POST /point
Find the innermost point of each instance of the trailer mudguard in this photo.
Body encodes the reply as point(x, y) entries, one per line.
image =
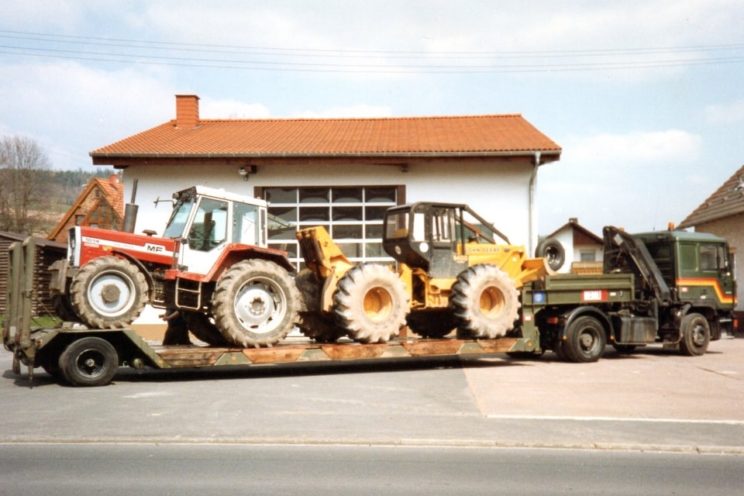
point(573, 314)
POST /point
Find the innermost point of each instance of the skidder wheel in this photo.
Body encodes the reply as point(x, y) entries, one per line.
point(108, 293)
point(203, 328)
point(89, 361)
point(370, 303)
point(485, 302)
point(431, 323)
point(695, 334)
point(255, 303)
point(312, 322)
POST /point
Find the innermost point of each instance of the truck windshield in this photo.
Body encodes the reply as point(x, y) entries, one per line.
point(178, 218)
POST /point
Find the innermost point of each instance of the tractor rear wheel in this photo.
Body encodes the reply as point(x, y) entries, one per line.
point(200, 326)
point(485, 302)
point(255, 303)
point(370, 303)
point(108, 293)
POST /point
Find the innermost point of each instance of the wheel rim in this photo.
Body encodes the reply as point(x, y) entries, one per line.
point(492, 302)
point(698, 335)
point(260, 305)
point(588, 341)
point(90, 363)
point(378, 304)
point(111, 293)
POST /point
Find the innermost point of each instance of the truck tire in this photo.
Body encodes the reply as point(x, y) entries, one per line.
point(695, 334)
point(485, 302)
point(312, 322)
point(585, 340)
point(552, 250)
point(255, 303)
point(370, 303)
point(89, 361)
point(431, 324)
point(108, 293)
point(200, 326)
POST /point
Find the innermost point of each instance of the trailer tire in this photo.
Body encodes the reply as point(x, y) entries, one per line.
point(485, 302)
point(312, 322)
point(431, 324)
point(203, 329)
point(255, 303)
point(89, 361)
point(695, 334)
point(108, 293)
point(585, 340)
point(370, 303)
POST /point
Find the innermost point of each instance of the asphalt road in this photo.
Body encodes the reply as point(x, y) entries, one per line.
point(183, 470)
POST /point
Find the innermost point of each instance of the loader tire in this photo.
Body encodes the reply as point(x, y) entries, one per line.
point(431, 324)
point(485, 302)
point(255, 303)
point(203, 329)
point(370, 303)
point(695, 334)
point(312, 323)
point(108, 293)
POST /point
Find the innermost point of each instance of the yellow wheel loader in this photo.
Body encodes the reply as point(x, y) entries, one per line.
point(455, 270)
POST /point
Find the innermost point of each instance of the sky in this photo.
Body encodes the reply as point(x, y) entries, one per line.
point(646, 98)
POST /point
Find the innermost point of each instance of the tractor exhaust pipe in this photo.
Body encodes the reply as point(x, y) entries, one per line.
point(130, 210)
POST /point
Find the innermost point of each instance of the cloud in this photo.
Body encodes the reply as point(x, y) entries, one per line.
point(729, 113)
point(636, 148)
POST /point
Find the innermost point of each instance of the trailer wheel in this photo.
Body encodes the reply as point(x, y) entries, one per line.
point(89, 361)
point(108, 293)
point(695, 334)
point(370, 303)
point(312, 322)
point(203, 328)
point(255, 303)
point(485, 302)
point(431, 324)
point(585, 340)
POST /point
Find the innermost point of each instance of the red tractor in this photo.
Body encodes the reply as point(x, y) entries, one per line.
point(211, 268)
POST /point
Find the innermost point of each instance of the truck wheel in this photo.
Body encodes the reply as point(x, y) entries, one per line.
point(108, 293)
point(203, 328)
point(89, 361)
point(431, 324)
point(255, 303)
point(585, 340)
point(370, 303)
point(312, 322)
point(485, 302)
point(695, 334)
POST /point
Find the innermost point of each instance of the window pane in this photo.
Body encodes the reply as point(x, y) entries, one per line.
point(374, 230)
point(277, 232)
point(375, 213)
point(351, 250)
point(708, 259)
point(347, 214)
point(375, 250)
point(381, 195)
point(245, 224)
point(209, 228)
point(347, 231)
point(288, 214)
point(347, 195)
point(280, 195)
point(314, 195)
point(314, 214)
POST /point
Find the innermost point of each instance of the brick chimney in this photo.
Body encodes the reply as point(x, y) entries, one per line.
point(187, 111)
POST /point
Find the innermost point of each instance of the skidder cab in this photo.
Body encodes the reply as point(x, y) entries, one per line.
point(211, 265)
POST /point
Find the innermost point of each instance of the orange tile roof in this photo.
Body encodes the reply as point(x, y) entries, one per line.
point(725, 201)
point(113, 194)
point(425, 136)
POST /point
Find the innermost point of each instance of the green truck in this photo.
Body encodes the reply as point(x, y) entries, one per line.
point(675, 288)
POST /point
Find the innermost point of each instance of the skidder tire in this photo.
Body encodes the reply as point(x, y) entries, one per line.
point(89, 361)
point(695, 334)
point(585, 340)
point(485, 302)
point(312, 322)
point(108, 293)
point(255, 303)
point(370, 303)
point(200, 326)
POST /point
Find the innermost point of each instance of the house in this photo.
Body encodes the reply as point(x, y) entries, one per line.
point(573, 248)
point(99, 204)
point(722, 214)
point(340, 173)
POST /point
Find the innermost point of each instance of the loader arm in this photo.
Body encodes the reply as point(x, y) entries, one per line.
point(323, 256)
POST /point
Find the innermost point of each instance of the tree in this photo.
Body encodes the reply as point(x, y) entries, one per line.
point(22, 161)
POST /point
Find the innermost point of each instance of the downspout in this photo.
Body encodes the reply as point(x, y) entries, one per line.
point(531, 221)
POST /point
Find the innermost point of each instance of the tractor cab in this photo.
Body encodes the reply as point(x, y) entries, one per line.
point(441, 238)
point(205, 220)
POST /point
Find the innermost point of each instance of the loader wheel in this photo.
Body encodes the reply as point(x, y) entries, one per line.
point(431, 324)
point(89, 361)
point(108, 293)
point(203, 328)
point(585, 340)
point(695, 334)
point(485, 302)
point(255, 303)
point(370, 303)
point(312, 322)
